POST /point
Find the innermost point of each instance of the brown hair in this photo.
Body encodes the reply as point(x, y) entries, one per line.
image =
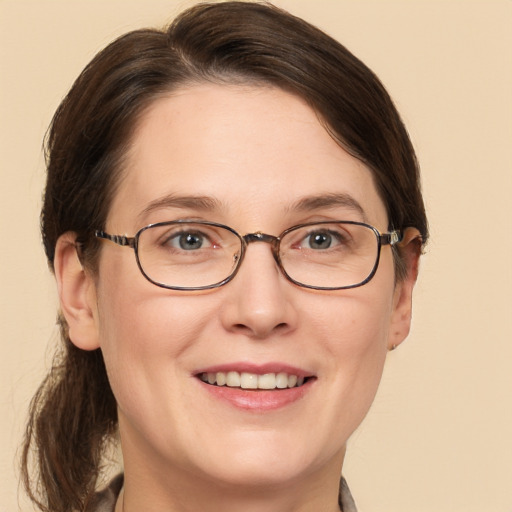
point(73, 414)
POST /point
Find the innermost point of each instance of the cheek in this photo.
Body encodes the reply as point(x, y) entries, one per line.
point(143, 329)
point(356, 346)
point(353, 325)
point(353, 332)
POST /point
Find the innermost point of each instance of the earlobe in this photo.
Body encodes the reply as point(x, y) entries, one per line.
point(410, 251)
point(77, 294)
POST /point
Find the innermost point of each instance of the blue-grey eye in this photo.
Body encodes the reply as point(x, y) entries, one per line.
point(319, 240)
point(189, 241)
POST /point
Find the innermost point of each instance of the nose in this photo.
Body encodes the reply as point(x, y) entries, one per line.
point(259, 300)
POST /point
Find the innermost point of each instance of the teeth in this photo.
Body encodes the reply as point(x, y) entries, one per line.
point(233, 379)
point(267, 381)
point(247, 380)
point(282, 380)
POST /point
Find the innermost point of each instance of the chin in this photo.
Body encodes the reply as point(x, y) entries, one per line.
point(269, 461)
point(257, 474)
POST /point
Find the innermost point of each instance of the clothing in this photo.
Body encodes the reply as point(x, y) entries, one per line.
point(105, 501)
point(345, 499)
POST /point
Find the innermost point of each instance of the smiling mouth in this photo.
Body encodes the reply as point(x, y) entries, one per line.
point(254, 381)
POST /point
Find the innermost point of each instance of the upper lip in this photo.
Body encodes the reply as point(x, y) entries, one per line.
point(258, 369)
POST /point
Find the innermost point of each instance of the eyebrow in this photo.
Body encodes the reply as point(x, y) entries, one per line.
point(326, 201)
point(210, 204)
point(199, 203)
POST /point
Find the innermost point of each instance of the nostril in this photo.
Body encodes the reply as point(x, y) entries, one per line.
point(260, 331)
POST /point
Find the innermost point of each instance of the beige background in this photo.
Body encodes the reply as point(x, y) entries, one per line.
point(439, 437)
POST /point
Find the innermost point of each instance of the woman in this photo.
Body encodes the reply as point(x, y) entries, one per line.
point(234, 220)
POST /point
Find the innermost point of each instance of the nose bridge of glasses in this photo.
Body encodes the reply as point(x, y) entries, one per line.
point(260, 237)
point(250, 238)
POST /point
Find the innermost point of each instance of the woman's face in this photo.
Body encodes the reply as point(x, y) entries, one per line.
point(255, 159)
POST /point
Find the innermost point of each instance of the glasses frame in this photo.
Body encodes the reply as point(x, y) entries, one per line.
point(390, 238)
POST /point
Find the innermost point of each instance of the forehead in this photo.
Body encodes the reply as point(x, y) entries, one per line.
point(250, 152)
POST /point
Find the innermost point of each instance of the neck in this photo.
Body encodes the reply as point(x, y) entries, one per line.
point(155, 481)
point(177, 493)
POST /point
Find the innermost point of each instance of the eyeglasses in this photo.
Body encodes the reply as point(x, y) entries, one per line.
point(185, 255)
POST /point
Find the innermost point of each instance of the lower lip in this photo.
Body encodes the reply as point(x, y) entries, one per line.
point(259, 400)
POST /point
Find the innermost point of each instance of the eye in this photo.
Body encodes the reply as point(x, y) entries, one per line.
point(319, 240)
point(188, 241)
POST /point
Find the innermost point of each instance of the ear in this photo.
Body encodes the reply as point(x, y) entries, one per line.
point(410, 251)
point(77, 294)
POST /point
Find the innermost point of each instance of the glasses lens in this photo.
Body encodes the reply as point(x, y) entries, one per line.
point(329, 255)
point(188, 254)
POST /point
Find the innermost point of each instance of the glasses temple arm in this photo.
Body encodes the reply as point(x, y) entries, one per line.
point(117, 239)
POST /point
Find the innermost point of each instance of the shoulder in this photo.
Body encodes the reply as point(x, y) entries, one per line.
point(105, 500)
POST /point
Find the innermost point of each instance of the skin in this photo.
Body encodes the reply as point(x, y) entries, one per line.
point(256, 151)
